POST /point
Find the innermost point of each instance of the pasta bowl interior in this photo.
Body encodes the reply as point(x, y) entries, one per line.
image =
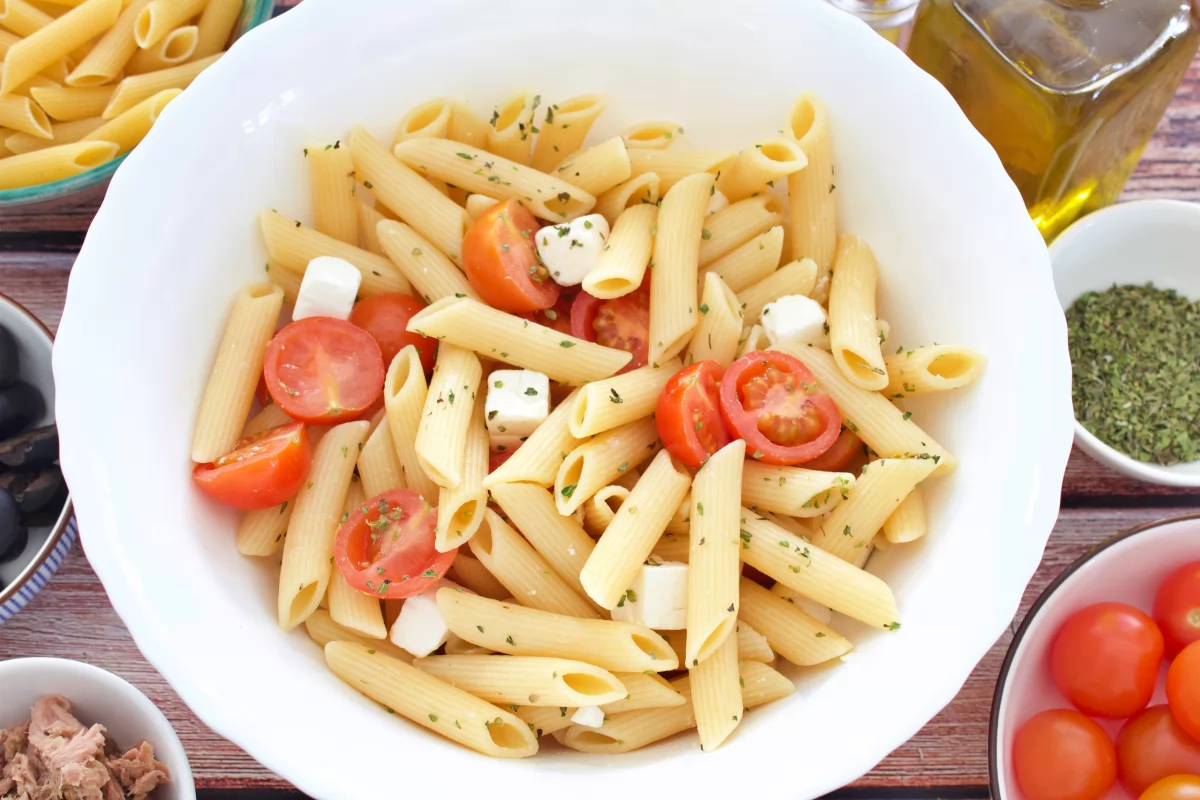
point(178, 235)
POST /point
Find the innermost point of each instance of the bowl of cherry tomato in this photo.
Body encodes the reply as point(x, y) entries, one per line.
point(1099, 696)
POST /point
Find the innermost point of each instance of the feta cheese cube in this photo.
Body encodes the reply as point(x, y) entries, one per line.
point(518, 400)
point(795, 319)
point(716, 202)
point(570, 250)
point(328, 289)
point(419, 628)
point(658, 597)
point(588, 716)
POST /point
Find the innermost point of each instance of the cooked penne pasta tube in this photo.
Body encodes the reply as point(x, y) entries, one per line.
point(854, 336)
point(368, 220)
point(172, 50)
point(747, 264)
point(469, 324)
point(737, 224)
point(629, 539)
point(822, 614)
point(752, 339)
point(644, 691)
point(131, 127)
point(404, 396)
point(653, 135)
point(271, 416)
point(526, 680)
point(794, 278)
point(601, 460)
point(432, 275)
point(476, 170)
point(291, 246)
point(882, 427)
point(816, 574)
point(378, 465)
point(790, 632)
point(675, 546)
point(673, 279)
point(714, 565)
point(600, 510)
point(460, 510)
point(813, 221)
point(260, 533)
point(22, 18)
point(136, 88)
point(717, 694)
point(879, 491)
point(456, 646)
point(621, 267)
point(511, 133)
point(512, 629)
point(611, 402)
point(308, 547)
point(470, 573)
point(597, 169)
point(716, 337)
point(111, 52)
point(22, 115)
point(564, 128)
point(525, 575)
point(642, 190)
point(161, 17)
point(757, 168)
point(672, 166)
point(442, 436)
point(429, 212)
point(546, 720)
point(349, 607)
point(51, 42)
point(537, 460)
point(429, 120)
point(936, 368)
point(793, 491)
point(229, 392)
point(216, 25)
point(64, 104)
point(907, 523)
point(430, 702)
point(466, 126)
point(479, 204)
point(681, 520)
point(792, 525)
point(331, 175)
point(64, 133)
point(322, 630)
point(752, 645)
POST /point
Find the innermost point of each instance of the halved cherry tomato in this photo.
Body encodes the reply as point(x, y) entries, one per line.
point(772, 401)
point(1176, 787)
point(845, 450)
point(261, 471)
point(323, 370)
point(559, 317)
point(1062, 755)
point(1183, 689)
point(385, 547)
point(1152, 746)
point(496, 459)
point(1177, 608)
point(622, 323)
point(501, 261)
point(385, 317)
point(689, 421)
point(1105, 659)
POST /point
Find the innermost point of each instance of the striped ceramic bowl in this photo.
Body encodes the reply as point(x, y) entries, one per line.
point(23, 578)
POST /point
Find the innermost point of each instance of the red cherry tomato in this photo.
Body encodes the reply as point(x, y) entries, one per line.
point(496, 459)
point(688, 417)
point(559, 317)
point(385, 317)
point(1177, 608)
point(1063, 755)
point(1176, 787)
point(845, 451)
point(772, 401)
point(622, 323)
point(322, 370)
point(1152, 746)
point(1183, 689)
point(1105, 659)
point(385, 548)
point(501, 261)
point(261, 471)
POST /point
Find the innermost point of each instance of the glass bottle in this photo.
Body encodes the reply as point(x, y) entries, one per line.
point(889, 18)
point(1068, 91)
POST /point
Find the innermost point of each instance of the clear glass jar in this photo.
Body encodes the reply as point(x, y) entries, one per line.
point(889, 18)
point(1068, 91)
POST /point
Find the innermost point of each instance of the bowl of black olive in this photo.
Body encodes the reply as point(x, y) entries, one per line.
point(36, 523)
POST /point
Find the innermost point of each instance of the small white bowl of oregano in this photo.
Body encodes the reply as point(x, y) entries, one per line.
point(1128, 278)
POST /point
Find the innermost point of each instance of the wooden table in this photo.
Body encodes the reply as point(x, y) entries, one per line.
point(72, 618)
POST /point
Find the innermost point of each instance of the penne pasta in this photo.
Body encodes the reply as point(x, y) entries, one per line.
point(271, 416)
point(538, 458)
point(757, 168)
point(69, 105)
point(600, 510)
point(479, 204)
point(793, 491)
point(466, 126)
point(673, 279)
point(854, 335)
point(136, 88)
point(322, 630)
point(717, 694)
point(161, 17)
point(673, 166)
point(64, 133)
point(878, 492)
point(460, 510)
point(470, 573)
point(601, 460)
point(172, 50)
point(54, 40)
point(907, 523)
point(676, 546)
point(644, 691)
point(642, 190)
point(432, 274)
point(936, 368)
point(813, 220)
point(526, 680)
point(621, 266)
point(260, 533)
point(564, 128)
point(752, 339)
point(655, 135)
point(331, 175)
point(611, 402)
point(378, 465)
point(429, 120)
point(110, 54)
point(737, 224)
point(404, 397)
point(598, 168)
point(749, 263)
point(716, 337)
point(132, 126)
point(349, 607)
point(442, 437)
point(22, 18)
point(216, 26)
point(512, 127)
point(22, 115)
point(794, 278)
point(790, 632)
point(752, 645)
point(368, 220)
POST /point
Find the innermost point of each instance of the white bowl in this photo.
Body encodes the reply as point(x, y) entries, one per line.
point(178, 234)
point(97, 696)
point(1128, 568)
point(1147, 241)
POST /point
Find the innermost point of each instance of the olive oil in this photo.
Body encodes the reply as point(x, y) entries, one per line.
point(1068, 92)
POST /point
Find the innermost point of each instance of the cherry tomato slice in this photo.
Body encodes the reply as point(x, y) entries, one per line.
point(622, 323)
point(772, 401)
point(501, 261)
point(559, 317)
point(1152, 746)
point(1177, 608)
point(1175, 787)
point(1062, 755)
point(845, 451)
point(261, 471)
point(1105, 659)
point(385, 317)
point(322, 370)
point(385, 548)
point(1183, 689)
point(495, 460)
point(688, 416)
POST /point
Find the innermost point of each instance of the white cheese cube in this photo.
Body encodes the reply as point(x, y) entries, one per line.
point(797, 320)
point(658, 597)
point(588, 716)
point(328, 289)
point(419, 628)
point(716, 202)
point(518, 400)
point(570, 250)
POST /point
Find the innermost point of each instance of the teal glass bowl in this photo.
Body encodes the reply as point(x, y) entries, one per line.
point(91, 184)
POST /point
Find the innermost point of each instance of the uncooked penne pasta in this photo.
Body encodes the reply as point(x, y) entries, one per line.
point(466, 126)
point(936, 368)
point(642, 190)
point(564, 128)
point(331, 175)
point(442, 437)
point(601, 460)
point(790, 632)
point(21, 114)
point(537, 460)
point(64, 133)
point(216, 25)
point(878, 492)
point(110, 54)
point(600, 510)
point(460, 509)
point(737, 224)
point(717, 694)
point(907, 523)
point(793, 491)
point(611, 402)
point(260, 533)
point(432, 275)
point(653, 135)
point(471, 573)
point(714, 565)
point(429, 120)
point(526, 680)
point(794, 278)
point(22, 18)
point(747, 264)
point(757, 168)
point(378, 465)
point(716, 337)
point(64, 104)
point(621, 266)
point(161, 17)
point(512, 128)
point(597, 169)
point(229, 392)
point(172, 50)
point(349, 607)
point(430, 702)
point(673, 279)
point(291, 246)
point(50, 43)
point(813, 221)
point(854, 336)
point(136, 88)
point(132, 126)
point(322, 629)
point(673, 166)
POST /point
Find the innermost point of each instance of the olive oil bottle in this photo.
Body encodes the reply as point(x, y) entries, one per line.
point(1068, 91)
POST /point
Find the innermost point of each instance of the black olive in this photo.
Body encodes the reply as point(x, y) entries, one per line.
point(35, 448)
point(20, 405)
point(47, 515)
point(13, 535)
point(33, 491)
point(10, 363)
